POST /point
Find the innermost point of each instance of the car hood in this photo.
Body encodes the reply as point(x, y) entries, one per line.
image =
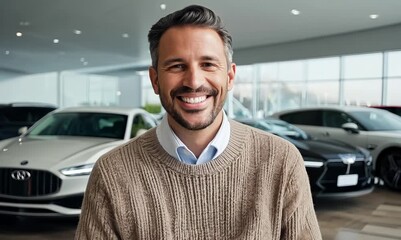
point(48, 151)
point(324, 149)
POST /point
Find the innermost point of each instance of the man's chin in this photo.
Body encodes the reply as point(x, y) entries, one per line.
point(195, 123)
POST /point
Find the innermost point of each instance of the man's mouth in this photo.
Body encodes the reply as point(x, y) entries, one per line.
point(193, 100)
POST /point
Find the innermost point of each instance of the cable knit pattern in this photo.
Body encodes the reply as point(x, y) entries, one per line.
point(256, 189)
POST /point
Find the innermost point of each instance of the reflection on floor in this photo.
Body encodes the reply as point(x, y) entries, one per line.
point(387, 229)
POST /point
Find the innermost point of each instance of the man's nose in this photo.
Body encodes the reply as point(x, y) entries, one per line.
point(193, 78)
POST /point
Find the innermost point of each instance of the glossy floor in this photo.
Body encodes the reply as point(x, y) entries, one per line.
point(374, 216)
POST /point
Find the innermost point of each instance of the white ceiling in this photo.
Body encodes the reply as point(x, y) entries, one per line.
point(102, 22)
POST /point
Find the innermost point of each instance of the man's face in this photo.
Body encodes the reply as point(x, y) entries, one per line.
point(192, 77)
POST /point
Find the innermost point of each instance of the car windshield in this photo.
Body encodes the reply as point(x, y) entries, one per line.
point(378, 121)
point(87, 124)
point(278, 127)
point(286, 129)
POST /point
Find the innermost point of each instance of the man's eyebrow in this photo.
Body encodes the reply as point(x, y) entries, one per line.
point(171, 61)
point(210, 58)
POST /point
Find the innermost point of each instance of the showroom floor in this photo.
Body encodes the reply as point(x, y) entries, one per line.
point(376, 216)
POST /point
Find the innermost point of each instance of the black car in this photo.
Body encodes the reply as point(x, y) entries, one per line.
point(14, 116)
point(335, 169)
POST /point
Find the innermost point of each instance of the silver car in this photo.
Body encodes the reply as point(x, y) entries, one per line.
point(44, 172)
point(377, 130)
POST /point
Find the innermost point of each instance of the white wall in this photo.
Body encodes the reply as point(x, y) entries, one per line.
point(77, 89)
point(30, 88)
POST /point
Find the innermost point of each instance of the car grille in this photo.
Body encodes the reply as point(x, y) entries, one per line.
point(38, 183)
point(328, 180)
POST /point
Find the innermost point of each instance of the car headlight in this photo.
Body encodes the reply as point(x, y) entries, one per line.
point(78, 170)
point(313, 162)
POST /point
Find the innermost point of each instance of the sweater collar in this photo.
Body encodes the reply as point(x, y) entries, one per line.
point(173, 145)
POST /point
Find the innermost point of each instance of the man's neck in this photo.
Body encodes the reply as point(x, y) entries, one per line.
point(197, 140)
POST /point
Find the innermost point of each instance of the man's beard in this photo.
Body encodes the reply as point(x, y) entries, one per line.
point(180, 119)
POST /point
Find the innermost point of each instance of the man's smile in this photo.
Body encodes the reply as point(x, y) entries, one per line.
point(193, 99)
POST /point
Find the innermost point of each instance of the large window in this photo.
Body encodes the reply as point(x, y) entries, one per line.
point(363, 79)
point(363, 66)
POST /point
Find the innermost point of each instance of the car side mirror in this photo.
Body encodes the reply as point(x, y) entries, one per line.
point(350, 127)
point(22, 130)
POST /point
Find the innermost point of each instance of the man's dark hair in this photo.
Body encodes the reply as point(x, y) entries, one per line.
point(192, 15)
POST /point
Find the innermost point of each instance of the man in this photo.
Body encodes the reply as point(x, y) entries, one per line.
point(198, 175)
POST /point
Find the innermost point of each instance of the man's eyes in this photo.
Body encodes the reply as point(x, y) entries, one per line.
point(207, 65)
point(177, 67)
point(182, 67)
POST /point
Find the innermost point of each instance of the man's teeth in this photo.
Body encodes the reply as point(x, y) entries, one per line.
point(193, 100)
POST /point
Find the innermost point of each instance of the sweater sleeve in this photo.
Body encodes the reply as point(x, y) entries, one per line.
point(96, 219)
point(299, 217)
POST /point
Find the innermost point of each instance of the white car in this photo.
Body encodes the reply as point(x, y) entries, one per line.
point(44, 172)
point(377, 130)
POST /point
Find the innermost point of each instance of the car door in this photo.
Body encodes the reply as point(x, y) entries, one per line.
point(325, 124)
point(332, 122)
point(308, 120)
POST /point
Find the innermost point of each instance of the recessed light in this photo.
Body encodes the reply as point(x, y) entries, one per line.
point(125, 35)
point(77, 32)
point(19, 34)
point(56, 40)
point(163, 6)
point(85, 63)
point(373, 16)
point(295, 12)
point(7, 52)
point(24, 23)
point(82, 59)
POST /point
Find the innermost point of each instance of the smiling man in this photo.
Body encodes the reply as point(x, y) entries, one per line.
point(192, 76)
point(198, 175)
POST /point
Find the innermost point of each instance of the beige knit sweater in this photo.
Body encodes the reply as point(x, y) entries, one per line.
point(256, 189)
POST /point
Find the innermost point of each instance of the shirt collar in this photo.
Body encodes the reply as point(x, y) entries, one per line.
point(177, 149)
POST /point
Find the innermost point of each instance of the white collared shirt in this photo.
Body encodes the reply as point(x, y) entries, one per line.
point(177, 149)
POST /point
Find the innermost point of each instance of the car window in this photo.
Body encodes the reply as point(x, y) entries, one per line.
point(82, 124)
point(336, 119)
point(141, 122)
point(23, 114)
point(378, 121)
point(308, 117)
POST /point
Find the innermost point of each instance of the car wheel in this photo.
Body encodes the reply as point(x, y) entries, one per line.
point(390, 169)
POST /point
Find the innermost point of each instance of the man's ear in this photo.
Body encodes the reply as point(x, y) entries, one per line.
point(154, 80)
point(231, 76)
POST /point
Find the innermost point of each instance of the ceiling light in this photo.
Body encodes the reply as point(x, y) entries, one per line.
point(7, 52)
point(82, 59)
point(373, 16)
point(85, 63)
point(56, 40)
point(77, 32)
point(19, 34)
point(295, 12)
point(24, 23)
point(125, 35)
point(163, 6)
